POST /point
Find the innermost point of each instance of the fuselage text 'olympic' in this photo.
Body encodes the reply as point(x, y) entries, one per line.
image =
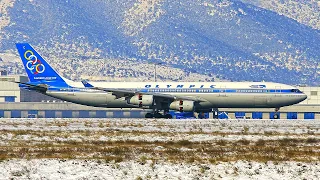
point(180, 86)
point(195, 86)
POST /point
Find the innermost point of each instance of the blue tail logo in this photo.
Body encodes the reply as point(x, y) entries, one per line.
point(34, 64)
point(38, 70)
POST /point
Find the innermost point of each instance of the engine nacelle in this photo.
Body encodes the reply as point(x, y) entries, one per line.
point(141, 100)
point(182, 106)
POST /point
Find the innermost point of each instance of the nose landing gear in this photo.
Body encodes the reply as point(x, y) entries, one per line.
point(276, 114)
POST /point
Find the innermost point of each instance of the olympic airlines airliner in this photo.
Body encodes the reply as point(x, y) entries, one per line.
point(158, 96)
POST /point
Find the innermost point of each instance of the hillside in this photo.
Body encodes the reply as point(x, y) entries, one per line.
point(235, 40)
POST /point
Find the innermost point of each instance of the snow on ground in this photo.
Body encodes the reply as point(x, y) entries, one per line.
point(89, 169)
point(159, 149)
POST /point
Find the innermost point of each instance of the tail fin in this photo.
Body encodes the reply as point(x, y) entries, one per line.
point(37, 68)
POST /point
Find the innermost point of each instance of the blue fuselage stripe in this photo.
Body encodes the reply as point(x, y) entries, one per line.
point(185, 90)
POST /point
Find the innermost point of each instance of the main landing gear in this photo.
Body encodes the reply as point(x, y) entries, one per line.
point(155, 110)
point(158, 115)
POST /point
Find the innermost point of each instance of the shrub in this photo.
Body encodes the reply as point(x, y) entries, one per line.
point(260, 142)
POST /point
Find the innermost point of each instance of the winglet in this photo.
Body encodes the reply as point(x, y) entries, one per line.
point(87, 84)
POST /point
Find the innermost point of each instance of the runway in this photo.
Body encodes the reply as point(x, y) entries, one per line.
point(154, 142)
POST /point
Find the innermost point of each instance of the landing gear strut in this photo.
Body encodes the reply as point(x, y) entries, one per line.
point(166, 114)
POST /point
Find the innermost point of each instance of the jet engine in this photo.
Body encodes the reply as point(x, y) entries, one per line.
point(182, 106)
point(141, 100)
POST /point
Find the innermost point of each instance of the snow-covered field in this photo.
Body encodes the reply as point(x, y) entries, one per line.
point(82, 169)
point(159, 149)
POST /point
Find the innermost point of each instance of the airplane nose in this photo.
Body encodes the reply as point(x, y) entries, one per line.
point(303, 97)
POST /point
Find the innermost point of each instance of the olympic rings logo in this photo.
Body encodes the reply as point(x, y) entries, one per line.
point(34, 64)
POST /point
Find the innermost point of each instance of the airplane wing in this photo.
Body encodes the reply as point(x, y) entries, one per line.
point(118, 92)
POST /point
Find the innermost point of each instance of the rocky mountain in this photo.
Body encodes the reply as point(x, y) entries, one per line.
point(238, 40)
point(305, 12)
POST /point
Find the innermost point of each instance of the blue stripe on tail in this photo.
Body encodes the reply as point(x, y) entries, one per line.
point(38, 70)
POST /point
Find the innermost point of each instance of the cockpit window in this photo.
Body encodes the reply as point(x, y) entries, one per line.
point(296, 91)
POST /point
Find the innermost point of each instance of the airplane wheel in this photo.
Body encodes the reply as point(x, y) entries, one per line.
point(168, 116)
point(149, 115)
point(158, 115)
point(275, 116)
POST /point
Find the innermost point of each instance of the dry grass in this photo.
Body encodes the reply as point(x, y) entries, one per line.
point(87, 144)
point(286, 149)
point(107, 129)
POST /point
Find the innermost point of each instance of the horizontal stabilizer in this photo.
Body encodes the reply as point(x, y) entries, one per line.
point(36, 87)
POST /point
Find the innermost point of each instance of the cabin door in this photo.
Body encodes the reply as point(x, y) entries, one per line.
point(278, 91)
point(222, 91)
point(70, 91)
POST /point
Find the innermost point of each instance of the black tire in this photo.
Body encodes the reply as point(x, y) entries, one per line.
point(276, 116)
point(158, 115)
point(168, 116)
point(149, 115)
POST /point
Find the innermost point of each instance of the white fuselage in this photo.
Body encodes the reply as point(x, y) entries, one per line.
point(213, 94)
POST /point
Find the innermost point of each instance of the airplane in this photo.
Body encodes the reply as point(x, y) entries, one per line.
point(160, 97)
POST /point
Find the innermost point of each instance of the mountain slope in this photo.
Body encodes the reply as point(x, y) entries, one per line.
point(233, 39)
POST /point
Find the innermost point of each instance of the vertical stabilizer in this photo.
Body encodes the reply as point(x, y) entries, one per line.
point(38, 70)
